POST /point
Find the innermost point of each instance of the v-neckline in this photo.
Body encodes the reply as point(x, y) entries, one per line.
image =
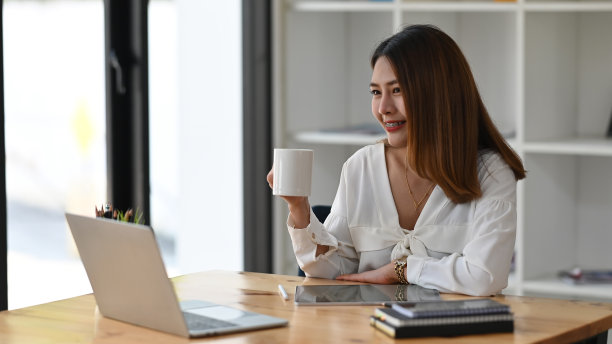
point(390, 200)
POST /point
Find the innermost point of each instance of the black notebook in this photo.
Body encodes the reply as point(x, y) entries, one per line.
point(450, 308)
point(442, 330)
point(397, 319)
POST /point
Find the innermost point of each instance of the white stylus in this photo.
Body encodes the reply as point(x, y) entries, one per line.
point(283, 293)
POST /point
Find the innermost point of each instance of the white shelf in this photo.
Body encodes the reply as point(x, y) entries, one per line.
point(449, 6)
point(459, 6)
point(591, 6)
point(543, 71)
point(555, 286)
point(572, 146)
point(336, 138)
point(377, 6)
point(342, 6)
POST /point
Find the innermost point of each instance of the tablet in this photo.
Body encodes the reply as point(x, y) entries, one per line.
point(362, 294)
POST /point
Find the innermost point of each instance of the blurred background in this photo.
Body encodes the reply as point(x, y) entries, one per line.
point(56, 137)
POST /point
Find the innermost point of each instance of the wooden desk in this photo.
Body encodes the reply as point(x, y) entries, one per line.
point(76, 320)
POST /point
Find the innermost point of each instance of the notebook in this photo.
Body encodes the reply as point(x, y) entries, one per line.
point(395, 318)
point(130, 283)
point(451, 308)
point(434, 329)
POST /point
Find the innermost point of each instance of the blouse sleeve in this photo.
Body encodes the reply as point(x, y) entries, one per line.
point(341, 257)
point(483, 266)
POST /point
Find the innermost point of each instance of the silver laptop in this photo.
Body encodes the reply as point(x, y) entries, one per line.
point(130, 283)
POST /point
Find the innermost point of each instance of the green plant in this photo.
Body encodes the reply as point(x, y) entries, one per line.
point(129, 215)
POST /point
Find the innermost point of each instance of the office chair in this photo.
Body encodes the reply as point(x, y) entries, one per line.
point(321, 212)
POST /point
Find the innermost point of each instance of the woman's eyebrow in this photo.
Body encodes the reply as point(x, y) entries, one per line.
point(392, 82)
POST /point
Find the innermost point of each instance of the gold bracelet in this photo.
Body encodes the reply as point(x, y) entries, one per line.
point(400, 268)
point(399, 293)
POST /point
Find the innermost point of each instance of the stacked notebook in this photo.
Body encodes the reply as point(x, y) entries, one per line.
point(443, 318)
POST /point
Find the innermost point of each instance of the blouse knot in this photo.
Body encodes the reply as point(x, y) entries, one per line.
point(409, 245)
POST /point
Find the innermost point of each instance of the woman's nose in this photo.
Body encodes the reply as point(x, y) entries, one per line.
point(386, 105)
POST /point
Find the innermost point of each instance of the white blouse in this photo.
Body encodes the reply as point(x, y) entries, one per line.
point(459, 248)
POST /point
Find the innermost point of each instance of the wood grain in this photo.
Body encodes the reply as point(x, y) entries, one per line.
point(77, 320)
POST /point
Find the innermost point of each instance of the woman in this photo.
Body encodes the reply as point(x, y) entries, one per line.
point(434, 204)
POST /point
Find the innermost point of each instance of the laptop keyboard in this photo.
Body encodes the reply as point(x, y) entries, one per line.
point(201, 322)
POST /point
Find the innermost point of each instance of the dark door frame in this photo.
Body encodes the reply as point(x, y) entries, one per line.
point(257, 133)
point(127, 104)
point(3, 229)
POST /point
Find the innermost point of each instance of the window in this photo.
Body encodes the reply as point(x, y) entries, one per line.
point(195, 126)
point(56, 149)
point(55, 141)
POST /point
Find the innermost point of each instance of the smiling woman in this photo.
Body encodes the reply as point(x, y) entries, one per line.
point(434, 204)
point(388, 103)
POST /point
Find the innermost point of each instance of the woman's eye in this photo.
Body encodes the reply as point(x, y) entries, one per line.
point(374, 92)
point(396, 90)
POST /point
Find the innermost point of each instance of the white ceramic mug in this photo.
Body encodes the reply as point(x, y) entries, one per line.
point(292, 172)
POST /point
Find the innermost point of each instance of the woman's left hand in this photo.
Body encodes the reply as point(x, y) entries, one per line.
point(383, 275)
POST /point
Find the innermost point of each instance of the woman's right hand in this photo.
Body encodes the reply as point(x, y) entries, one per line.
point(299, 207)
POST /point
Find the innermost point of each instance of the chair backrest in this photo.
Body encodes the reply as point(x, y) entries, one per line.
point(321, 212)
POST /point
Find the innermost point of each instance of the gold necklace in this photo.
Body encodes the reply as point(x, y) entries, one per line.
point(414, 201)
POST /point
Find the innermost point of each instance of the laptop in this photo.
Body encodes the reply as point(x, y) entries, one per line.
point(130, 283)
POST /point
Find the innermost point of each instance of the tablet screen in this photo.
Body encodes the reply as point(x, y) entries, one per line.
point(362, 294)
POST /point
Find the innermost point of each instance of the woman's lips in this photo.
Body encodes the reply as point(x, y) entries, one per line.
point(394, 125)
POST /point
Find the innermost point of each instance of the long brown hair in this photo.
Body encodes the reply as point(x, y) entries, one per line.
point(447, 121)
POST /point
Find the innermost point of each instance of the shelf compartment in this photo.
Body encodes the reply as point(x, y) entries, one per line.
point(567, 80)
point(342, 6)
point(567, 6)
point(432, 5)
point(553, 286)
point(471, 6)
point(326, 83)
point(589, 146)
point(320, 137)
point(568, 200)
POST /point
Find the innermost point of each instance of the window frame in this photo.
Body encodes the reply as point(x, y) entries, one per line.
point(127, 104)
point(257, 134)
point(127, 111)
point(3, 215)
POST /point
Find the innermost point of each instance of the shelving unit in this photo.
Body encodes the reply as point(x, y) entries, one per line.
point(336, 138)
point(543, 69)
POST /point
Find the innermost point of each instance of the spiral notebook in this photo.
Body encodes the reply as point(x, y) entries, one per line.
point(505, 325)
point(395, 318)
point(450, 308)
